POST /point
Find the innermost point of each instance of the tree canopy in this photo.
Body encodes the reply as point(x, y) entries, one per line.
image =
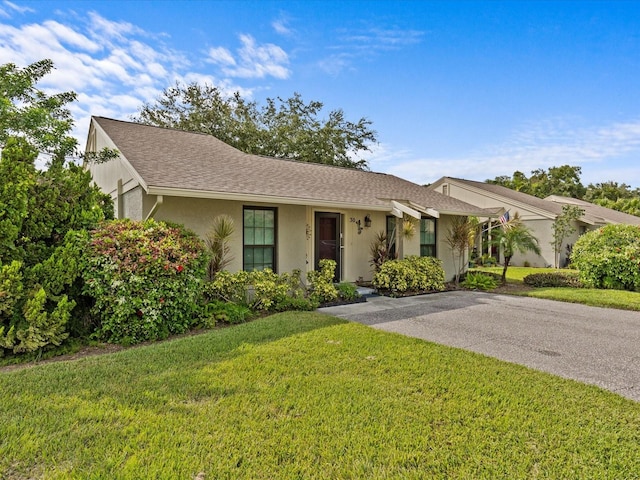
point(43, 214)
point(27, 112)
point(282, 128)
point(565, 181)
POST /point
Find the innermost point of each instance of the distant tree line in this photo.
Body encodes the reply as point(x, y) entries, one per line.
point(565, 181)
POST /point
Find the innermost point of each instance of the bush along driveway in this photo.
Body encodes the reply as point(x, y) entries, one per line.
point(593, 345)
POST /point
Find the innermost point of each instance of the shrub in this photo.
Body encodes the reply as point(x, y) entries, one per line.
point(479, 281)
point(145, 278)
point(412, 274)
point(347, 291)
point(609, 257)
point(321, 286)
point(259, 290)
point(216, 312)
point(486, 260)
point(553, 279)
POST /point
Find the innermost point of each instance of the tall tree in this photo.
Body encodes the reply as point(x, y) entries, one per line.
point(43, 214)
point(610, 191)
point(27, 112)
point(283, 128)
point(563, 181)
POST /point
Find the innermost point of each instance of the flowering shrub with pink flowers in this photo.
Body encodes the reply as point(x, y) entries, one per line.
point(146, 278)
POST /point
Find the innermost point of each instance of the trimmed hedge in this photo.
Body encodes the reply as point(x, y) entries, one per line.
point(553, 279)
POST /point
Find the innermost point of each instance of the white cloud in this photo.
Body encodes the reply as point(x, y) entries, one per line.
point(68, 36)
point(604, 153)
point(254, 61)
point(281, 26)
point(366, 43)
point(115, 67)
point(18, 8)
point(221, 56)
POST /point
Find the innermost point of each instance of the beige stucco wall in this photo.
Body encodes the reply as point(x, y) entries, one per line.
point(296, 247)
point(198, 214)
point(106, 175)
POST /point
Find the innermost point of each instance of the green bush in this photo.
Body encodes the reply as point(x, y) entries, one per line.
point(217, 312)
point(479, 281)
point(553, 279)
point(321, 287)
point(261, 290)
point(145, 278)
point(609, 257)
point(347, 291)
point(412, 274)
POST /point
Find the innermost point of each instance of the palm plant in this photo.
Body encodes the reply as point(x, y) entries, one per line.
point(217, 241)
point(514, 236)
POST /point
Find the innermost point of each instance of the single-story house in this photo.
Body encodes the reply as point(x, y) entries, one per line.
point(288, 214)
point(537, 213)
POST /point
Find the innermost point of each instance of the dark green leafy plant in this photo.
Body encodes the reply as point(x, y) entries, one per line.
point(145, 278)
point(217, 312)
point(347, 291)
point(479, 281)
point(553, 279)
point(609, 257)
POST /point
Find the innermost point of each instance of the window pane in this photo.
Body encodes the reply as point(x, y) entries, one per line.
point(269, 218)
point(259, 239)
point(258, 255)
point(259, 236)
point(249, 238)
point(268, 236)
point(248, 218)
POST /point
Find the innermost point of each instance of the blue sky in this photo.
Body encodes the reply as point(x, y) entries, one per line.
point(468, 89)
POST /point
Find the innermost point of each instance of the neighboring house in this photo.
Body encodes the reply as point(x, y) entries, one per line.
point(537, 213)
point(288, 214)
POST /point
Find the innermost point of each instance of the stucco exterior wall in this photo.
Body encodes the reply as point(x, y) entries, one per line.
point(198, 215)
point(295, 231)
point(106, 175)
point(132, 204)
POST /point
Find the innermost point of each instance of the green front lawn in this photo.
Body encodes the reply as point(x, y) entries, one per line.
point(595, 297)
point(303, 395)
point(517, 274)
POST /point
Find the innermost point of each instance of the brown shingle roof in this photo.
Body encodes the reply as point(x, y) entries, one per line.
point(598, 213)
point(199, 163)
point(593, 214)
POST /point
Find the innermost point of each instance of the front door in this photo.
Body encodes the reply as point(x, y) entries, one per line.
point(328, 239)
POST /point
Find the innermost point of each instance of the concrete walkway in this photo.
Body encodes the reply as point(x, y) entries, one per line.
point(593, 345)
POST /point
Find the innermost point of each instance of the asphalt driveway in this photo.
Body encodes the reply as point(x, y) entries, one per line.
point(593, 345)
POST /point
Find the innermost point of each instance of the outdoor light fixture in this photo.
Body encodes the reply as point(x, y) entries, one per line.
point(367, 220)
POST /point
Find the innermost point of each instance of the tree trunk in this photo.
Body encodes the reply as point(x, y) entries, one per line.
point(504, 270)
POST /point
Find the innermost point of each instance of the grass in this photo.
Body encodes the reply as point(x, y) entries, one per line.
point(517, 274)
point(303, 395)
point(620, 299)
